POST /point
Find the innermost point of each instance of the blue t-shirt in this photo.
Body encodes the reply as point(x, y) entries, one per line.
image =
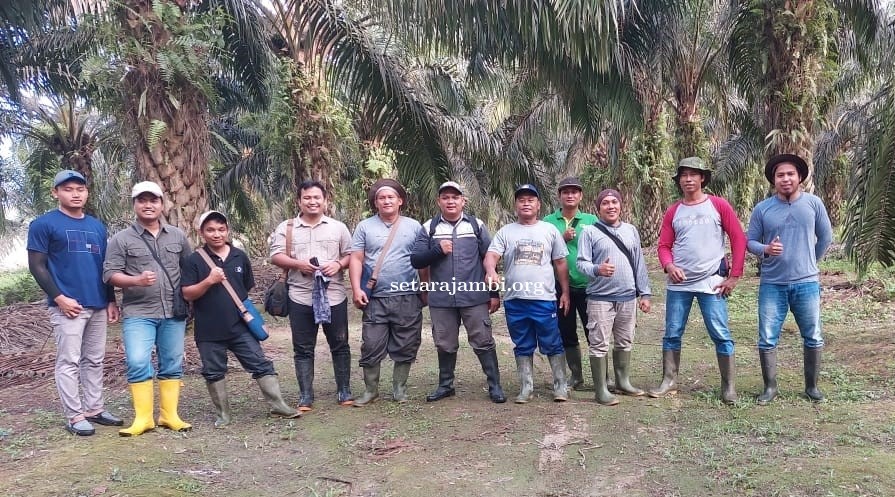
point(75, 250)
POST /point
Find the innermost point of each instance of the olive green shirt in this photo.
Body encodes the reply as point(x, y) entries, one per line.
point(581, 219)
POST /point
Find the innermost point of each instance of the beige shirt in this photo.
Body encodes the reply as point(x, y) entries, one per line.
point(328, 240)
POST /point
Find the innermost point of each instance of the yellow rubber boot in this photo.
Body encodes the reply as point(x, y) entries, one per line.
point(142, 396)
point(169, 397)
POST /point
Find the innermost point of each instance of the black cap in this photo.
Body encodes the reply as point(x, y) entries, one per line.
point(570, 181)
point(773, 162)
point(527, 188)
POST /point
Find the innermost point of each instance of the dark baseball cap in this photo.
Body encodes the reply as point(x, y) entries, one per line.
point(570, 181)
point(68, 175)
point(527, 188)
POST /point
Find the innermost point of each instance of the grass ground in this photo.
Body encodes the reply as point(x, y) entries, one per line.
point(686, 445)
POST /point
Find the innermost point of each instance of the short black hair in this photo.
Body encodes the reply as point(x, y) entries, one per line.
point(307, 185)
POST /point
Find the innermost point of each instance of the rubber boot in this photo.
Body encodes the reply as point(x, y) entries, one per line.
point(143, 397)
point(304, 371)
point(621, 360)
point(727, 366)
point(399, 382)
point(573, 358)
point(768, 359)
point(488, 359)
point(270, 387)
point(342, 372)
point(812, 371)
point(671, 361)
point(371, 386)
point(526, 380)
point(217, 390)
point(560, 382)
point(447, 362)
point(169, 398)
point(598, 367)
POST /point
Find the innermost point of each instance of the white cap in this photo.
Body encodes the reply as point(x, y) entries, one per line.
point(146, 187)
point(450, 184)
point(208, 214)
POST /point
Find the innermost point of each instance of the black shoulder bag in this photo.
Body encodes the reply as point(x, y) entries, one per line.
point(621, 246)
point(181, 306)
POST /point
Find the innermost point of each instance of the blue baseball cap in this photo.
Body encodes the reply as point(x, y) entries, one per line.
point(68, 175)
point(527, 188)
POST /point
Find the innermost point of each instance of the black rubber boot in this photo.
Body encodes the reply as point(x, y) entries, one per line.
point(728, 369)
point(812, 371)
point(304, 371)
point(447, 362)
point(671, 362)
point(768, 359)
point(342, 372)
point(488, 359)
point(573, 358)
point(621, 361)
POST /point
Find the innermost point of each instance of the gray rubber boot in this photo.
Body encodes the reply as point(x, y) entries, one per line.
point(727, 366)
point(490, 367)
point(526, 380)
point(399, 382)
point(671, 362)
point(598, 367)
point(218, 392)
point(560, 385)
point(812, 371)
point(342, 372)
point(768, 359)
point(371, 386)
point(304, 371)
point(447, 362)
point(573, 358)
point(621, 361)
point(270, 387)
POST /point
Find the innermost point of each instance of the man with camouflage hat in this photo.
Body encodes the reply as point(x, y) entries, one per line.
point(790, 232)
point(692, 253)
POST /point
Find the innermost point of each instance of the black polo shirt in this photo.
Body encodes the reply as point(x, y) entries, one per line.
point(217, 317)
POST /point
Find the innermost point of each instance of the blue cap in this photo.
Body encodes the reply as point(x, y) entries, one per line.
point(527, 188)
point(68, 175)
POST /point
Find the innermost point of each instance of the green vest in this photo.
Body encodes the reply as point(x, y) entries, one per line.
point(581, 219)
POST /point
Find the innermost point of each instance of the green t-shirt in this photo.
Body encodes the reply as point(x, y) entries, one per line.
point(581, 219)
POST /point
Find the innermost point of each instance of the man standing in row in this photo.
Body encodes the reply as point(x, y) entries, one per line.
point(380, 264)
point(692, 253)
point(452, 245)
point(535, 259)
point(66, 247)
point(144, 261)
point(570, 221)
point(611, 255)
point(790, 232)
point(320, 244)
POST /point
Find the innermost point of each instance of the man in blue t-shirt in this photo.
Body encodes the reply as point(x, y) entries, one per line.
point(65, 255)
point(790, 232)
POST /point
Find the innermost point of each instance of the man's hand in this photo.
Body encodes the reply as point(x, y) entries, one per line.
point(112, 312)
point(493, 305)
point(493, 280)
point(447, 246)
point(564, 303)
point(424, 297)
point(675, 274)
point(146, 278)
point(69, 306)
point(359, 297)
point(331, 268)
point(644, 305)
point(725, 288)
point(775, 248)
point(305, 267)
point(606, 269)
point(216, 276)
point(568, 234)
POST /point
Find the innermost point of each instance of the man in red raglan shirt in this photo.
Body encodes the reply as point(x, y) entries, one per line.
point(691, 252)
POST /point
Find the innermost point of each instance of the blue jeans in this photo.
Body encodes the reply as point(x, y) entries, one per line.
point(533, 323)
point(714, 314)
point(140, 335)
point(803, 299)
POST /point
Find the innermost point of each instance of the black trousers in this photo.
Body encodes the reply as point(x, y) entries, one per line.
point(304, 330)
point(247, 350)
point(568, 325)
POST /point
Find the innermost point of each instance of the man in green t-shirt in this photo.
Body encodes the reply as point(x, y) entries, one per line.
point(569, 220)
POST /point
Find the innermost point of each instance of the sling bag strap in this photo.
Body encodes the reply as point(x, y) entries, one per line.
point(621, 246)
point(289, 225)
point(157, 259)
point(388, 244)
point(246, 315)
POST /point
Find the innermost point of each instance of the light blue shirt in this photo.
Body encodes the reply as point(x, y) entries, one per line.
point(397, 276)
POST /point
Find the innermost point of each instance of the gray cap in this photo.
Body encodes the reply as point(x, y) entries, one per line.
point(68, 175)
point(450, 184)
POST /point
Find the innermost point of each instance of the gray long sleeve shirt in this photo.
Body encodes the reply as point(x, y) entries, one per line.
point(594, 247)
